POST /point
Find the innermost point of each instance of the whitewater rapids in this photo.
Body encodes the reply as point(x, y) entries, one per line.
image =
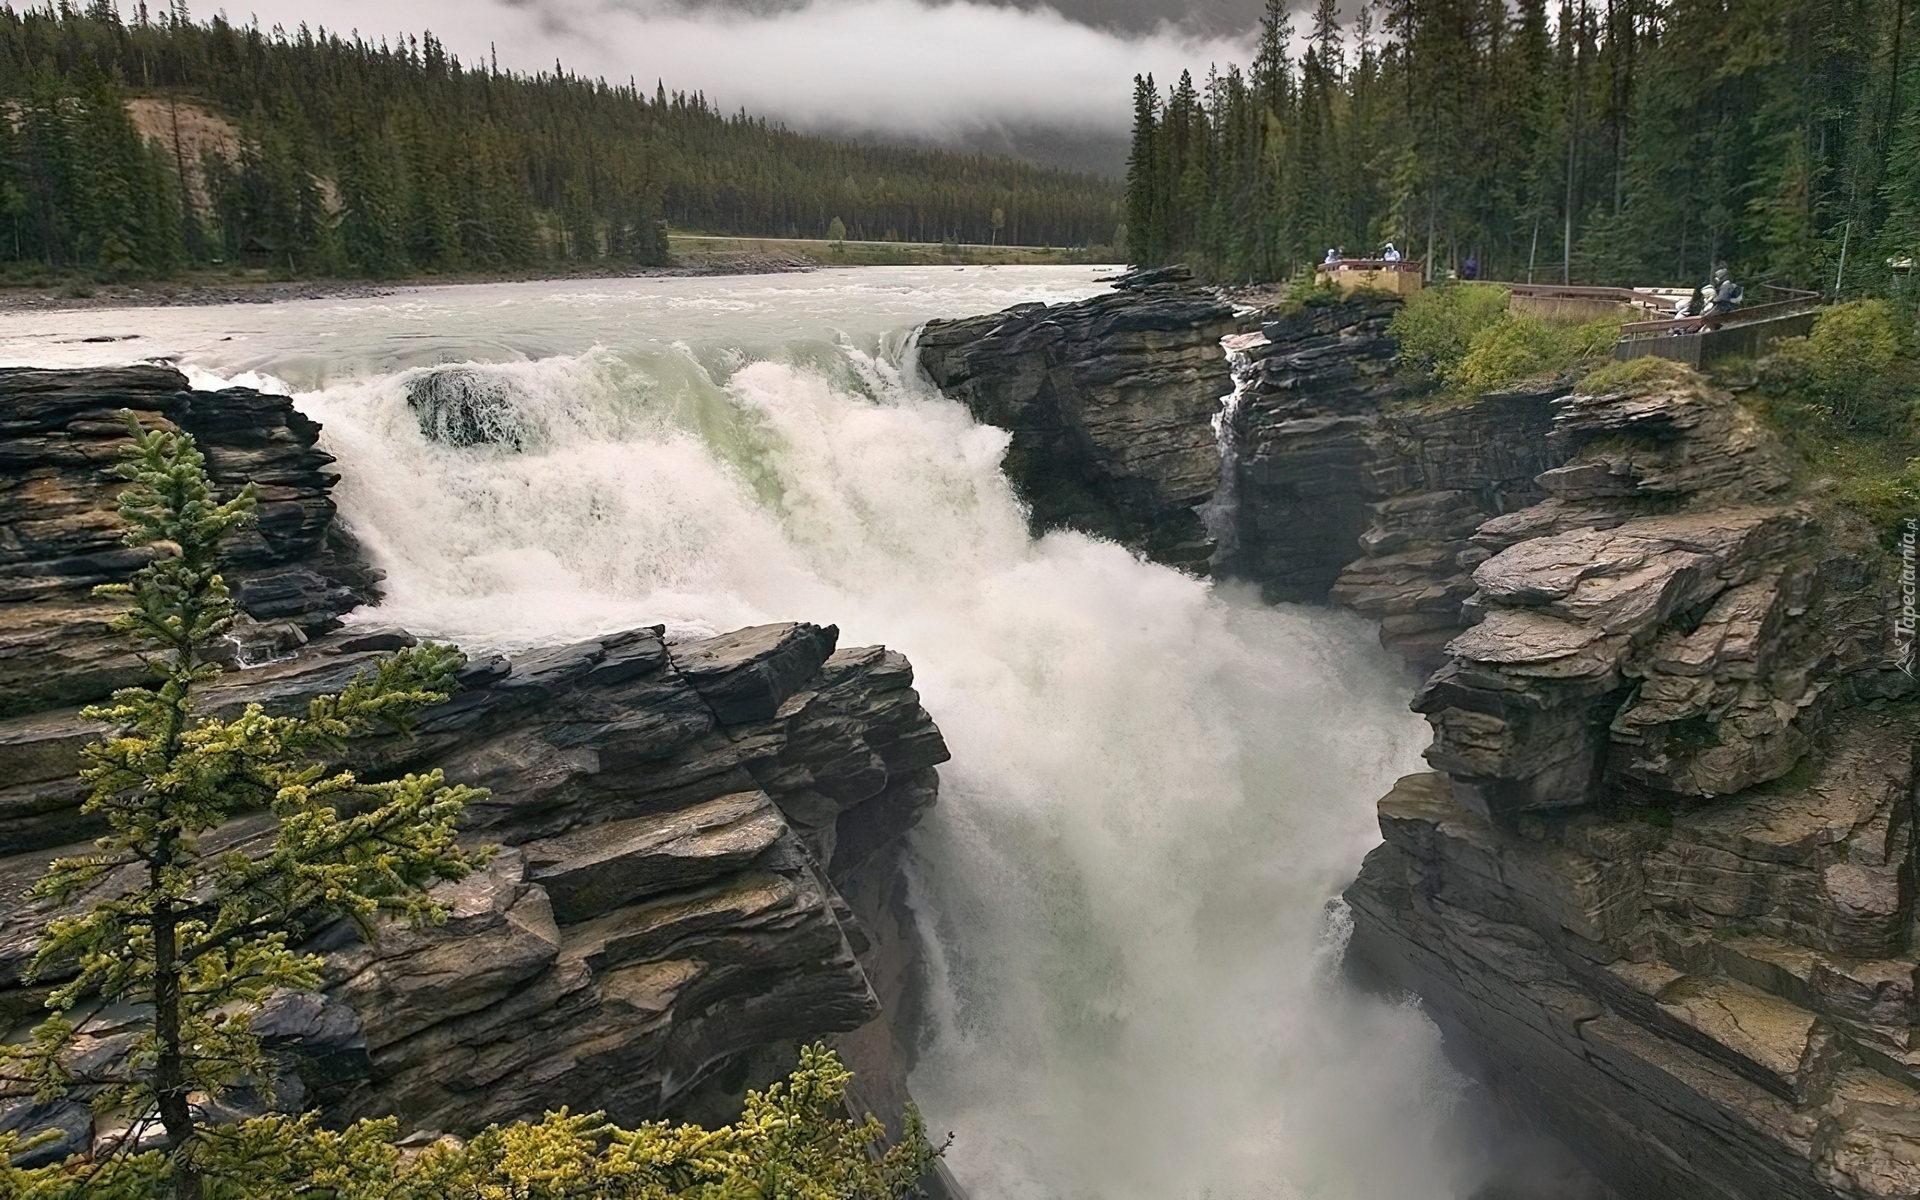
point(1157, 785)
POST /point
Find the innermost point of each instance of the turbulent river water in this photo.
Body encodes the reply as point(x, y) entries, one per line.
point(1157, 785)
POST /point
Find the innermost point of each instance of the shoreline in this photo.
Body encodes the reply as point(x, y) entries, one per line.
point(194, 293)
point(696, 255)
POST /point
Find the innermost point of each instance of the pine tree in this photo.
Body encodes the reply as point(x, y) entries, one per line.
point(1326, 36)
point(372, 203)
point(1143, 175)
point(190, 929)
point(112, 183)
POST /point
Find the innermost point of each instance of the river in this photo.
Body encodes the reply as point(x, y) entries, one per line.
point(1158, 785)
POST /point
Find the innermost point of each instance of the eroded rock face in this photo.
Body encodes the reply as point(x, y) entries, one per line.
point(1661, 895)
point(674, 820)
point(1109, 403)
point(60, 434)
point(1347, 481)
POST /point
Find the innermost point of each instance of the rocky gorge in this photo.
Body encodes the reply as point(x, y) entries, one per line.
point(1657, 890)
point(699, 840)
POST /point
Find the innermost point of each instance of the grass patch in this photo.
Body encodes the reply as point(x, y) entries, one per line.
point(1636, 375)
point(1874, 478)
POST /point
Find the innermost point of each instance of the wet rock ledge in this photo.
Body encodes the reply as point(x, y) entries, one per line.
point(1658, 890)
point(1109, 402)
point(682, 825)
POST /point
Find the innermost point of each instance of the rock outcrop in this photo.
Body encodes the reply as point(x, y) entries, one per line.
point(1109, 401)
point(1336, 454)
point(1659, 893)
point(293, 573)
point(1342, 478)
point(677, 822)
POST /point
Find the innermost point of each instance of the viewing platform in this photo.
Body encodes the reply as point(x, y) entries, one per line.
point(1743, 332)
point(1563, 302)
point(1402, 278)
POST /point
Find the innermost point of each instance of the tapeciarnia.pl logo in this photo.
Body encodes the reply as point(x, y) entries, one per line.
point(1903, 625)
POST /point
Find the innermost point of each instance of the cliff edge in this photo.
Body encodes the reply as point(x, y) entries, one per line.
point(1659, 890)
point(682, 825)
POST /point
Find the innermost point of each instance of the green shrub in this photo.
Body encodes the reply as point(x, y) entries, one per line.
point(1510, 349)
point(791, 1142)
point(1309, 292)
point(1590, 339)
point(1515, 348)
point(1464, 334)
point(1437, 325)
point(1848, 373)
point(1846, 396)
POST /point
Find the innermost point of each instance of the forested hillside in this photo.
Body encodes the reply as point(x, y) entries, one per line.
point(354, 158)
point(1610, 141)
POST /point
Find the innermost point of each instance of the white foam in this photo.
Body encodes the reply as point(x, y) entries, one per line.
point(202, 380)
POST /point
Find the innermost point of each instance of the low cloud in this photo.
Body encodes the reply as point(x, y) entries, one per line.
point(892, 67)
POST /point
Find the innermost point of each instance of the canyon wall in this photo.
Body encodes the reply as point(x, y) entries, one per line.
point(700, 840)
point(1109, 402)
point(1658, 889)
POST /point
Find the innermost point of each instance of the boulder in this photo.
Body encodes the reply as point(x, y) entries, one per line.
point(467, 406)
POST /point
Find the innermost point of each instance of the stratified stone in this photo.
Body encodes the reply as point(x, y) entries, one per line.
point(60, 533)
point(1109, 403)
point(601, 867)
point(656, 911)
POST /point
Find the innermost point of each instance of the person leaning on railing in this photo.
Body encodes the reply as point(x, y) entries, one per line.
point(1726, 294)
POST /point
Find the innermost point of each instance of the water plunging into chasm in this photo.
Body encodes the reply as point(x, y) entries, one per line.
point(1157, 784)
point(1221, 512)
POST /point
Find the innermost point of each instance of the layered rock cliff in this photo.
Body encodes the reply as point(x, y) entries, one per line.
point(681, 824)
point(1355, 482)
point(1658, 890)
point(293, 573)
point(1109, 402)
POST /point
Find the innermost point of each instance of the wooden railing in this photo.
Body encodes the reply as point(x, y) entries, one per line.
point(1592, 300)
point(1371, 264)
point(1559, 291)
point(1799, 303)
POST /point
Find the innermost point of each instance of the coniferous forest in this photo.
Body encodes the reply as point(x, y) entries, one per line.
point(1599, 141)
point(354, 158)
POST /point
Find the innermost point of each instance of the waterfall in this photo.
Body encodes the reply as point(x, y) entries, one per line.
point(1157, 784)
point(1221, 513)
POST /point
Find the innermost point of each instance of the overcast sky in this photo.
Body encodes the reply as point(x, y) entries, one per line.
point(884, 66)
